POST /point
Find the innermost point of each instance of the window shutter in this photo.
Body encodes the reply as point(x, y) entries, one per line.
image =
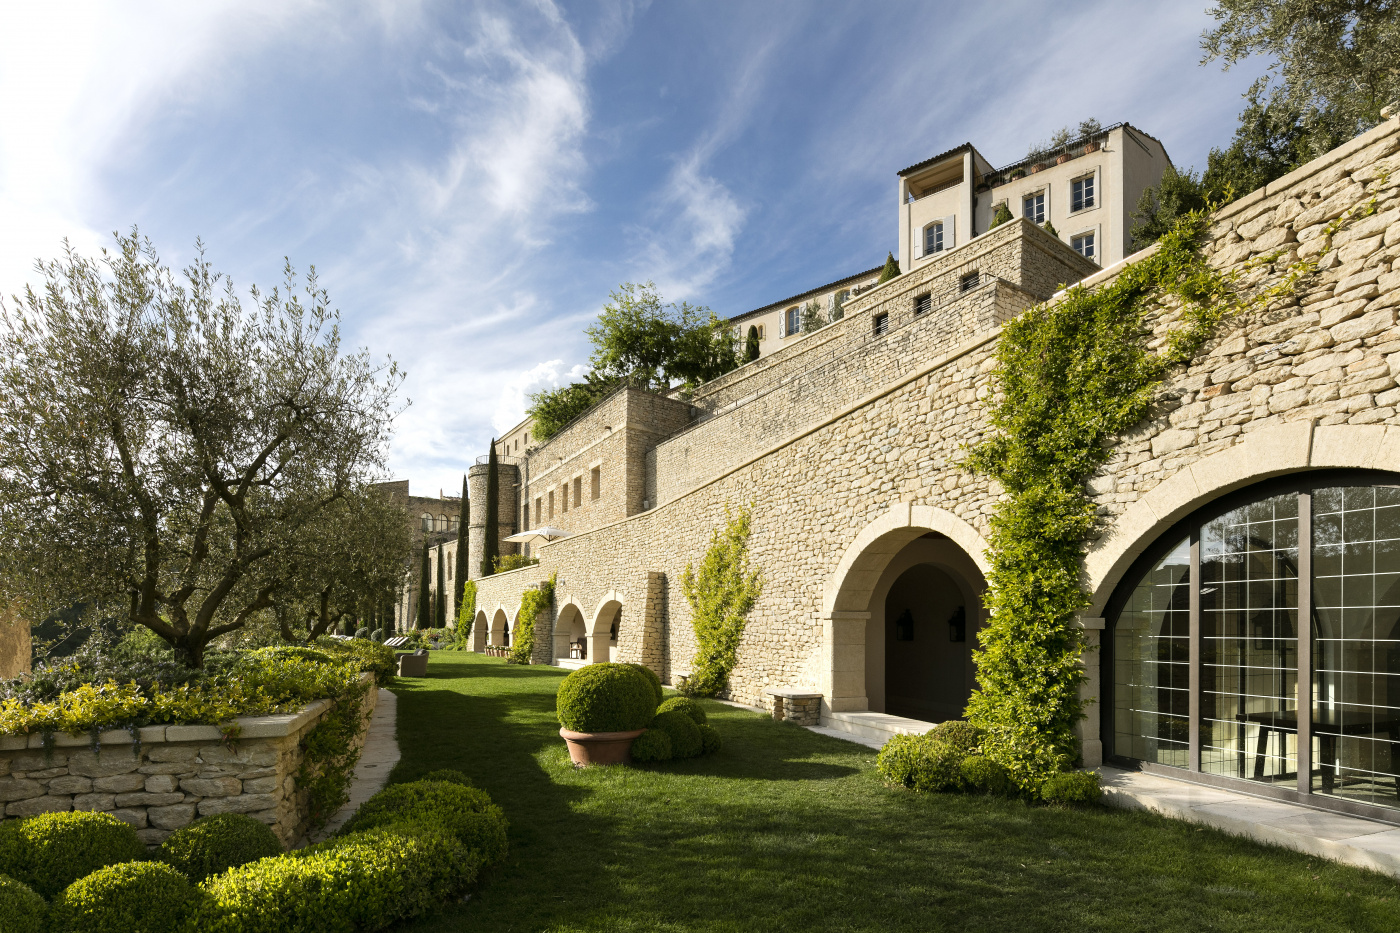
point(949, 239)
point(919, 242)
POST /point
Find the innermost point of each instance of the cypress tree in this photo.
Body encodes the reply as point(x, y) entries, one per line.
point(890, 271)
point(425, 606)
point(751, 346)
point(460, 571)
point(491, 547)
point(440, 611)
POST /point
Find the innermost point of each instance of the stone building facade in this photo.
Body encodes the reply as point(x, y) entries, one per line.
point(872, 539)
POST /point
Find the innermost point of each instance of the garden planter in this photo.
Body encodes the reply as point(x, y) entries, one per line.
point(1090, 147)
point(1037, 167)
point(1062, 158)
point(600, 748)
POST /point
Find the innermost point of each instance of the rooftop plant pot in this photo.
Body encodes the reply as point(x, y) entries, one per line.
point(1062, 158)
point(1091, 147)
point(1037, 166)
point(600, 748)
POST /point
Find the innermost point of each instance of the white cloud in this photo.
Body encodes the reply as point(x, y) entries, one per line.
point(510, 406)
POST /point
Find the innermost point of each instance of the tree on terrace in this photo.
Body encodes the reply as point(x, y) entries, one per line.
point(491, 547)
point(163, 450)
point(460, 572)
point(425, 589)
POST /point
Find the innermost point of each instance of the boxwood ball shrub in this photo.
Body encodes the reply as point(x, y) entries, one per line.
point(212, 845)
point(961, 735)
point(363, 881)
point(50, 851)
point(132, 897)
point(21, 910)
point(650, 675)
point(450, 775)
point(1071, 788)
point(465, 813)
point(921, 762)
point(652, 745)
point(686, 705)
point(686, 741)
point(606, 698)
point(982, 775)
point(709, 737)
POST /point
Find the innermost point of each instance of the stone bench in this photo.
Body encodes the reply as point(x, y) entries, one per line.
point(799, 705)
point(177, 773)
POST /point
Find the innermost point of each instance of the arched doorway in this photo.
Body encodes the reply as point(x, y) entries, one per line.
point(928, 647)
point(570, 634)
point(901, 615)
point(480, 629)
point(1257, 642)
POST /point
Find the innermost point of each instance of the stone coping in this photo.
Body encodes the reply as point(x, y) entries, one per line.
point(250, 727)
point(795, 693)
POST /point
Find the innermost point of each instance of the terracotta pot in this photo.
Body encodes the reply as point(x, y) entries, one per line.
point(600, 748)
point(1062, 158)
point(1090, 147)
point(1037, 167)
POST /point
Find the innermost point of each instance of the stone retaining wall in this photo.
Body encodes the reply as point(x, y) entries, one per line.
point(177, 773)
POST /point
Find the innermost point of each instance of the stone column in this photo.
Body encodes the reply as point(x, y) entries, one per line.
point(1091, 694)
point(843, 650)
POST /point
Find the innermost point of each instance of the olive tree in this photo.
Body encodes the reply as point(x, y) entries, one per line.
point(165, 452)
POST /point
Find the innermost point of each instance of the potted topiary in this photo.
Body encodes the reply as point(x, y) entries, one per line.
point(602, 708)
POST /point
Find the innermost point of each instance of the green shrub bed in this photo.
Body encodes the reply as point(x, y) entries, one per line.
point(625, 697)
point(949, 758)
point(409, 849)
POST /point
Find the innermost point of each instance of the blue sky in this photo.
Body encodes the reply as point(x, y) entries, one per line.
point(471, 179)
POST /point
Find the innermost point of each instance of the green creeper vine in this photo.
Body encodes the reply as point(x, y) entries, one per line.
point(535, 602)
point(1072, 376)
point(466, 615)
point(330, 751)
point(720, 597)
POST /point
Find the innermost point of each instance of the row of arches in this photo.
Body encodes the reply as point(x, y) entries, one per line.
point(579, 635)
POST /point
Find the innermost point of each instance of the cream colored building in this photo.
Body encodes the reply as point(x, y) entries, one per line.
point(778, 324)
point(1086, 190)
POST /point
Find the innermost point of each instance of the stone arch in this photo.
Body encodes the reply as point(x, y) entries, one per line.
point(1263, 454)
point(481, 624)
point(602, 626)
point(570, 627)
point(501, 625)
point(854, 631)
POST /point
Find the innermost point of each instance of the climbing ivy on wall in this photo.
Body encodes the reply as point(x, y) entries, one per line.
point(1071, 377)
point(466, 613)
point(535, 603)
point(720, 596)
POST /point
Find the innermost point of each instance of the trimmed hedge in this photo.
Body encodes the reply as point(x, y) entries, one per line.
point(132, 897)
point(465, 813)
point(981, 774)
point(21, 910)
point(686, 705)
point(212, 845)
point(686, 741)
point(921, 762)
point(50, 851)
point(363, 881)
point(709, 736)
point(450, 775)
point(963, 736)
point(655, 681)
point(1071, 788)
point(606, 698)
point(652, 745)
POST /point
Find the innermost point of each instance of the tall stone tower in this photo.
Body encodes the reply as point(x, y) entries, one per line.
point(507, 498)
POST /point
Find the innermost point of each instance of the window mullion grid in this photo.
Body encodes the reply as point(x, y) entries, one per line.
point(1193, 680)
point(1305, 642)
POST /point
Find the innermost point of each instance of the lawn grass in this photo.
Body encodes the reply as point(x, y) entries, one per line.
point(787, 830)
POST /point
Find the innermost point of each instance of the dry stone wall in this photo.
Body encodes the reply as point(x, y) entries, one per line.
point(174, 775)
point(1329, 354)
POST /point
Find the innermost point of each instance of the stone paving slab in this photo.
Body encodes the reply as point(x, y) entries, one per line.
point(1350, 839)
point(377, 759)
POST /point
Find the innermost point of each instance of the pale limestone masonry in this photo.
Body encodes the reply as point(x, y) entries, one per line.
point(176, 774)
point(866, 462)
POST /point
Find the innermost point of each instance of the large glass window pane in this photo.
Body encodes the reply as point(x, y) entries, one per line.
point(1151, 655)
point(1249, 641)
point(1356, 653)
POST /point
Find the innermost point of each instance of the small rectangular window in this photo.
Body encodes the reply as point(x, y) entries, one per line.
point(923, 304)
point(1033, 207)
point(968, 282)
point(564, 499)
point(525, 518)
point(551, 503)
point(578, 491)
point(882, 324)
point(1084, 245)
point(1081, 193)
point(595, 482)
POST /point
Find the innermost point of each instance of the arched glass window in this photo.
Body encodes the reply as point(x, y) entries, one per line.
point(452, 523)
point(1209, 671)
point(427, 520)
